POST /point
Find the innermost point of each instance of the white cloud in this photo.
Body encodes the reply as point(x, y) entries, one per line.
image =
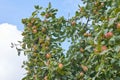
point(10, 62)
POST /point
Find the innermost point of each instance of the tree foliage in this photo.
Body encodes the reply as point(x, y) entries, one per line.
point(93, 34)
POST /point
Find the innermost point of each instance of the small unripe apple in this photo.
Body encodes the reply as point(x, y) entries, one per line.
point(34, 54)
point(34, 47)
point(43, 29)
point(48, 55)
point(41, 40)
point(60, 65)
point(94, 11)
point(85, 34)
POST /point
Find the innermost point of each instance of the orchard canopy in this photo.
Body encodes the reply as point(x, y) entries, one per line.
point(94, 38)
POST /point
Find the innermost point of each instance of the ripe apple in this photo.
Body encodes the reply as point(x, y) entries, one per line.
point(81, 74)
point(81, 50)
point(95, 11)
point(102, 4)
point(48, 55)
point(34, 31)
point(96, 51)
point(73, 23)
point(118, 25)
point(60, 65)
point(89, 34)
point(85, 68)
point(29, 25)
point(47, 15)
point(45, 78)
point(109, 35)
point(104, 48)
point(34, 27)
point(34, 47)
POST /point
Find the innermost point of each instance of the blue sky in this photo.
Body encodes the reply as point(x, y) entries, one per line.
point(12, 11)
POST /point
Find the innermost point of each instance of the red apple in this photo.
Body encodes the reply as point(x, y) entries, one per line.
point(109, 35)
point(60, 65)
point(104, 48)
point(48, 55)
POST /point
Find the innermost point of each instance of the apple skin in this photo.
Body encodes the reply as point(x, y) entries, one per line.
point(118, 25)
point(48, 55)
point(109, 35)
point(34, 31)
point(104, 48)
point(29, 24)
point(60, 65)
point(85, 68)
point(102, 4)
point(47, 15)
point(43, 29)
point(81, 50)
point(81, 74)
point(73, 23)
point(45, 78)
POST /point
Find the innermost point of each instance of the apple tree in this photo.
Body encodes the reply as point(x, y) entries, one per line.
point(94, 37)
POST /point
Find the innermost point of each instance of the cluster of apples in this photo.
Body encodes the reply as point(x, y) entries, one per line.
point(98, 6)
point(85, 69)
